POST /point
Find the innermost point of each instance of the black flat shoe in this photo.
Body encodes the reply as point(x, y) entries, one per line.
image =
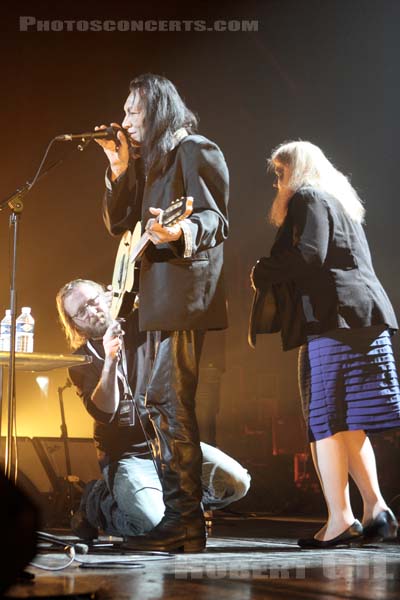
point(383, 527)
point(353, 534)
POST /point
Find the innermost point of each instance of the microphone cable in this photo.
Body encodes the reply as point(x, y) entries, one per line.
point(139, 416)
point(70, 549)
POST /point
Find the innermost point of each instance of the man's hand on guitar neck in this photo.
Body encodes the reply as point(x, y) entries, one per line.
point(160, 234)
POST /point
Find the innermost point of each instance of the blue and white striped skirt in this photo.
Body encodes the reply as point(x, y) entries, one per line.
point(348, 381)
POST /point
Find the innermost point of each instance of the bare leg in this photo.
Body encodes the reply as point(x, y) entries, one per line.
point(362, 468)
point(331, 463)
point(320, 534)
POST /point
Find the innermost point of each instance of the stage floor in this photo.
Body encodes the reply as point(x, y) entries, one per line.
point(246, 558)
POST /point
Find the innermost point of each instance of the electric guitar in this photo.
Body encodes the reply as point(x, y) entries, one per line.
point(133, 245)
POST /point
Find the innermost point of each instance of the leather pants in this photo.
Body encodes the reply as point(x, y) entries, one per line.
point(173, 364)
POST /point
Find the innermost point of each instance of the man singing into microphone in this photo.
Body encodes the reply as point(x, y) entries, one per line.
point(128, 500)
point(181, 285)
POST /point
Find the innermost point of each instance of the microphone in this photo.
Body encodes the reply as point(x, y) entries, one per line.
point(110, 133)
point(78, 547)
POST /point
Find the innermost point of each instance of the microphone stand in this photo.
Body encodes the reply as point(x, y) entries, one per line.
point(70, 479)
point(15, 203)
point(63, 427)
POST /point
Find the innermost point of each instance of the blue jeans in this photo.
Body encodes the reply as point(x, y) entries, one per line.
point(129, 499)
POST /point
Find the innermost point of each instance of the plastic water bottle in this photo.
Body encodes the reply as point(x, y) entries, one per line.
point(25, 326)
point(5, 332)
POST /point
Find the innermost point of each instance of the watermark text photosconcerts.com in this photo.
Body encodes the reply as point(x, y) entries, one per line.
point(29, 23)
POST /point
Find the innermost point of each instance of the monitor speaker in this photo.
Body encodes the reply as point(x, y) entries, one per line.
point(82, 452)
point(42, 474)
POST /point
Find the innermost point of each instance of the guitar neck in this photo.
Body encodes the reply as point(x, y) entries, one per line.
point(177, 211)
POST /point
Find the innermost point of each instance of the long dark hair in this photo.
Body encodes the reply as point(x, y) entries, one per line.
point(165, 112)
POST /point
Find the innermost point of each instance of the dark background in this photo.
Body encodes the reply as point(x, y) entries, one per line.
point(324, 71)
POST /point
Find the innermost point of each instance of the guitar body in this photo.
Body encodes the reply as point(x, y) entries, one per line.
point(131, 248)
point(124, 272)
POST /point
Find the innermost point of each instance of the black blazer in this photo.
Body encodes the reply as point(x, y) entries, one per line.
point(320, 272)
point(178, 293)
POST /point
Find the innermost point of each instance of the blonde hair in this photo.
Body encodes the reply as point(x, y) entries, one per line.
point(309, 166)
point(75, 337)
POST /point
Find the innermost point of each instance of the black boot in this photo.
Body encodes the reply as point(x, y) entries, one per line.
point(80, 524)
point(172, 536)
point(170, 401)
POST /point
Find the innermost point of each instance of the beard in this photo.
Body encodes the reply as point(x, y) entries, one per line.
point(279, 208)
point(97, 325)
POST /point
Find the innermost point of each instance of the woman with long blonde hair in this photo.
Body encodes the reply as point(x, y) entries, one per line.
point(332, 306)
